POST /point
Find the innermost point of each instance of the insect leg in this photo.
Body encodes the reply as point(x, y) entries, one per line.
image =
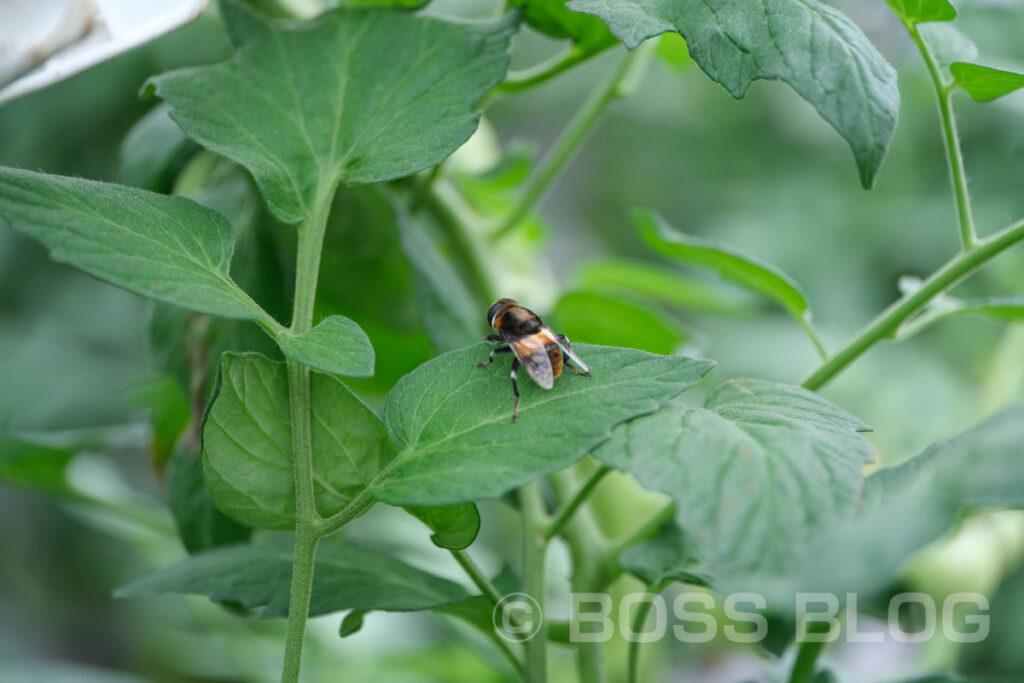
point(515, 389)
point(490, 356)
point(492, 338)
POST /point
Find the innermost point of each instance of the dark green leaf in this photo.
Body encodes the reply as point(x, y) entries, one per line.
point(758, 471)
point(357, 96)
point(811, 46)
point(201, 525)
point(352, 622)
point(734, 266)
point(603, 319)
point(258, 577)
point(984, 83)
point(551, 18)
point(656, 283)
point(153, 151)
point(336, 345)
point(36, 466)
point(455, 526)
point(920, 11)
point(451, 420)
point(247, 451)
point(450, 314)
point(670, 556)
point(165, 248)
point(169, 414)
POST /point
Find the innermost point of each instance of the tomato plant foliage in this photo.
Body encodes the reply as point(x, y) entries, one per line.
point(273, 430)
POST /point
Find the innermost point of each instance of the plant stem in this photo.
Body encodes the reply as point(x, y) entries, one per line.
point(958, 176)
point(888, 321)
point(308, 523)
point(805, 665)
point(643, 609)
point(535, 75)
point(566, 146)
point(306, 539)
point(476, 575)
point(531, 505)
point(566, 511)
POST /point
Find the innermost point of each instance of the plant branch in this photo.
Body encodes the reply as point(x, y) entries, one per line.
point(958, 176)
point(518, 81)
point(889, 320)
point(308, 523)
point(567, 509)
point(568, 143)
point(531, 505)
point(476, 575)
point(639, 619)
point(806, 663)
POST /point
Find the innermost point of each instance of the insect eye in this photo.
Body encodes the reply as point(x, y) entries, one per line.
point(493, 311)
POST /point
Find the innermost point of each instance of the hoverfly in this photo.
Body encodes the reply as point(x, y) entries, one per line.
point(534, 345)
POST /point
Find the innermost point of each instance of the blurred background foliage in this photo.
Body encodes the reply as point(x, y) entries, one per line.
point(97, 385)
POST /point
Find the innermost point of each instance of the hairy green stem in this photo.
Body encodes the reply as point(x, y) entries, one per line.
point(531, 506)
point(528, 78)
point(308, 523)
point(566, 146)
point(567, 509)
point(492, 593)
point(957, 174)
point(476, 575)
point(806, 663)
point(889, 320)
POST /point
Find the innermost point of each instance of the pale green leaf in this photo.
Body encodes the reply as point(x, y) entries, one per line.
point(165, 248)
point(921, 11)
point(258, 577)
point(336, 345)
point(610, 320)
point(455, 526)
point(731, 264)
point(985, 83)
point(811, 46)
point(903, 509)
point(761, 469)
point(33, 465)
point(657, 283)
point(948, 44)
point(153, 151)
point(669, 556)
point(451, 419)
point(355, 95)
point(247, 450)
point(450, 314)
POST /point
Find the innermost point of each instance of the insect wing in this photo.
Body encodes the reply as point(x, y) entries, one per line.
point(567, 351)
point(533, 354)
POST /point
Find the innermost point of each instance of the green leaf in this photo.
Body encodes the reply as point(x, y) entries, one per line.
point(450, 419)
point(450, 314)
point(731, 264)
point(165, 248)
point(656, 283)
point(670, 556)
point(335, 345)
point(759, 470)
point(551, 18)
point(356, 96)
point(352, 623)
point(258, 577)
point(33, 465)
point(610, 320)
point(455, 526)
point(921, 11)
point(247, 452)
point(200, 524)
point(154, 151)
point(904, 508)
point(984, 83)
point(811, 46)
